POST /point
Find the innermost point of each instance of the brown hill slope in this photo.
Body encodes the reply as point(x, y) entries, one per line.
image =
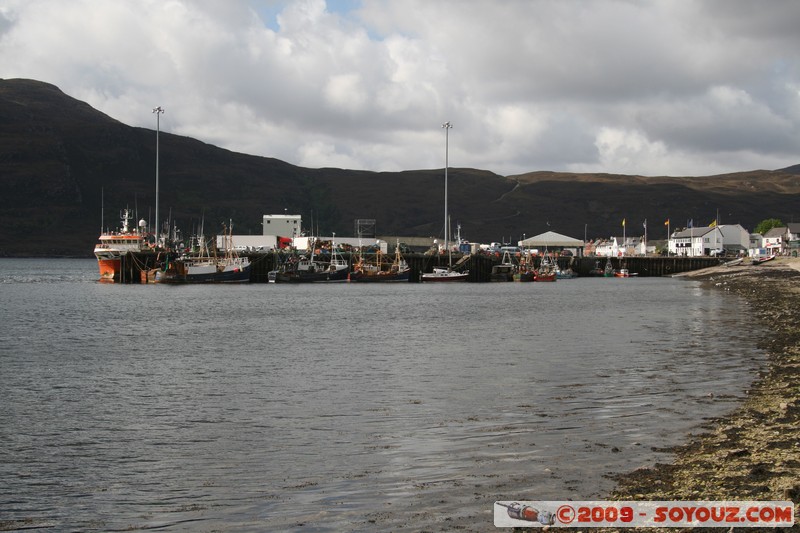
point(59, 156)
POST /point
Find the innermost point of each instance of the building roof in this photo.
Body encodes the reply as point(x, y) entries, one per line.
point(775, 232)
point(551, 238)
point(691, 232)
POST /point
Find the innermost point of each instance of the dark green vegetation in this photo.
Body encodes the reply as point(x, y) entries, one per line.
point(57, 154)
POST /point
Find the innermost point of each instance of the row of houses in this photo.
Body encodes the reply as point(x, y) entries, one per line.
point(713, 240)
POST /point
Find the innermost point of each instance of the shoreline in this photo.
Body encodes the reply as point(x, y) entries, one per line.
point(753, 453)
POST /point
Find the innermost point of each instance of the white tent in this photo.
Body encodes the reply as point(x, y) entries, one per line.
point(551, 239)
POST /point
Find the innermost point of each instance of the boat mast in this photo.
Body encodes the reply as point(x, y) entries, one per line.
point(446, 127)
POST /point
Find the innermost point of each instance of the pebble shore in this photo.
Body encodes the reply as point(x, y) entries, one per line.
point(753, 453)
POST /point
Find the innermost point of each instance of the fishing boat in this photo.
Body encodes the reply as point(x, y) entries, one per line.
point(208, 267)
point(545, 272)
point(597, 270)
point(440, 274)
point(525, 272)
point(505, 270)
point(315, 270)
point(547, 268)
point(112, 246)
point(378, 271)
point(608, 271)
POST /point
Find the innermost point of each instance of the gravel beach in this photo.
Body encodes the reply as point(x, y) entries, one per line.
point(753, 453)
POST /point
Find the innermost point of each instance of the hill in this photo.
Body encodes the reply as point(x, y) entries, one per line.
point(61, 160)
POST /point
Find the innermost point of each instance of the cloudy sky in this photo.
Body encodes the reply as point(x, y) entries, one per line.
point(661, 87)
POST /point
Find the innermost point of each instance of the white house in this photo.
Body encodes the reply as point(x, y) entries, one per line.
point(696, 241)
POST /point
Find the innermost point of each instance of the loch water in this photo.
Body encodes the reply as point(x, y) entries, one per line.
point(337, 407)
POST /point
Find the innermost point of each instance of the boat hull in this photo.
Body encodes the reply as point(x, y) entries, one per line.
point(205, 274)
point(444, 276)
point(379, 277)
point(109, 268)
point(526, 276)
point(321, 276)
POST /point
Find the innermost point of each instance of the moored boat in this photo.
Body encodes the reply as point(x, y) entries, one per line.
point(112, 246)
point(505, 270)
point(546, 270)
point(313, 270)
point(377, 271)
point(205, 267)
point(444, 274)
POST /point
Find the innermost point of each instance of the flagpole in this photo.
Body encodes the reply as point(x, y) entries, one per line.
point(645, 237)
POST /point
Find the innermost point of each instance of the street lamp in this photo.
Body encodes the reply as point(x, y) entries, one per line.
point(158, 111)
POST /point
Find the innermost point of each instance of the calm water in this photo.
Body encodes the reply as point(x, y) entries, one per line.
point(343, 407)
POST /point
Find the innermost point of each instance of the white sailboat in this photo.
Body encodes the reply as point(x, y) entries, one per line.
point(446, 274)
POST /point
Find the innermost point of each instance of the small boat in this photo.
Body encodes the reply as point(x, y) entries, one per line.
point(444, 274)
point(763, 259)
point(565, 273)
point(398, 270)
point(111, 246)
point(622, 273)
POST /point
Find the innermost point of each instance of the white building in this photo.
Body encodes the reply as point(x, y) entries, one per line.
point(711, 240)
point(735, 239)
point(283, 225)
point(694, 242)
point(774, 240)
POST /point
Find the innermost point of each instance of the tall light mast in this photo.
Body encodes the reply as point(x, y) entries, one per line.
point(446, 127)
point(158, 111)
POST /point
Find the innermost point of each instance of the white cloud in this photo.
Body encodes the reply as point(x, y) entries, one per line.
point(615, 86)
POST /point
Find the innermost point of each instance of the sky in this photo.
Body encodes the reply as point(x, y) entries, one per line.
point(660, 87)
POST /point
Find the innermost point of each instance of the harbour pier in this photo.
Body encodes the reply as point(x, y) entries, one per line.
point(136, 264)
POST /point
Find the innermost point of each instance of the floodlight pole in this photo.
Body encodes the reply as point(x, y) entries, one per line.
point(158, 111)
point(446, 127)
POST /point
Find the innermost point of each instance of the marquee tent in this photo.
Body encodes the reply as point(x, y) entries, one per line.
point(551, 239)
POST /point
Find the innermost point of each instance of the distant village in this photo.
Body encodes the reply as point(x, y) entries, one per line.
point(713, 240)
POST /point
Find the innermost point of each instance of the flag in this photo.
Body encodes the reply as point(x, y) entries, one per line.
point(689, 224)
point(666, 223)
point(623, 222)
point(644, 224)
point(713, 223)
